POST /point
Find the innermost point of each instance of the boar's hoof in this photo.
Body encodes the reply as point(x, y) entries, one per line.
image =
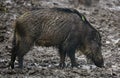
point(11, 64)
point(74, 65)
point(101, 66)
point(62, 65)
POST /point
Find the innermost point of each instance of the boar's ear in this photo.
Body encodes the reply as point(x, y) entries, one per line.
point(96, 37)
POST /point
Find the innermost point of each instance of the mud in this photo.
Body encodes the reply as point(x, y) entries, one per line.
point(42, 62)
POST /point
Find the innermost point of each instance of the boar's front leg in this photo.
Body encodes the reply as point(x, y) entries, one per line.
point(70, 46)
point(71, 54)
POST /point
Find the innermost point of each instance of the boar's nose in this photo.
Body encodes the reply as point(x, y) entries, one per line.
point(99, 63)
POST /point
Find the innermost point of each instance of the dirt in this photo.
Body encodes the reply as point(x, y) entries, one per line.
point(42, 62)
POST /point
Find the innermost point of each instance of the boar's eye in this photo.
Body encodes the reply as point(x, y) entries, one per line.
point(94, 39)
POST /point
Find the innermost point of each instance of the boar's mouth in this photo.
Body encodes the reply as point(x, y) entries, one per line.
point(98, 61)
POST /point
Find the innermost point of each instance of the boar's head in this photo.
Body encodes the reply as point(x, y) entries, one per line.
point(93, 48)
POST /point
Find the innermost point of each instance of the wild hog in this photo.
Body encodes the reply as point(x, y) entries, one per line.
point(63, 28)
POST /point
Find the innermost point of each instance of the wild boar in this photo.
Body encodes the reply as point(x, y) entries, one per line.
point(63, 28)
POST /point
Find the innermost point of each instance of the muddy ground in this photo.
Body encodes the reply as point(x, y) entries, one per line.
point(42, 62)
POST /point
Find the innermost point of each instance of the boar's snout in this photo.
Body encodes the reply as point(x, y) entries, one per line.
point(99, 62)
point(98, 58)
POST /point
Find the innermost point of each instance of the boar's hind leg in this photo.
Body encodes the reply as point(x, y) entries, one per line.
point(71, 54)
point(24, 47)
point(62, 54)
point(13, 55)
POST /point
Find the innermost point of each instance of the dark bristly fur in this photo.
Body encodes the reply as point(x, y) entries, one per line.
point(63, 28)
